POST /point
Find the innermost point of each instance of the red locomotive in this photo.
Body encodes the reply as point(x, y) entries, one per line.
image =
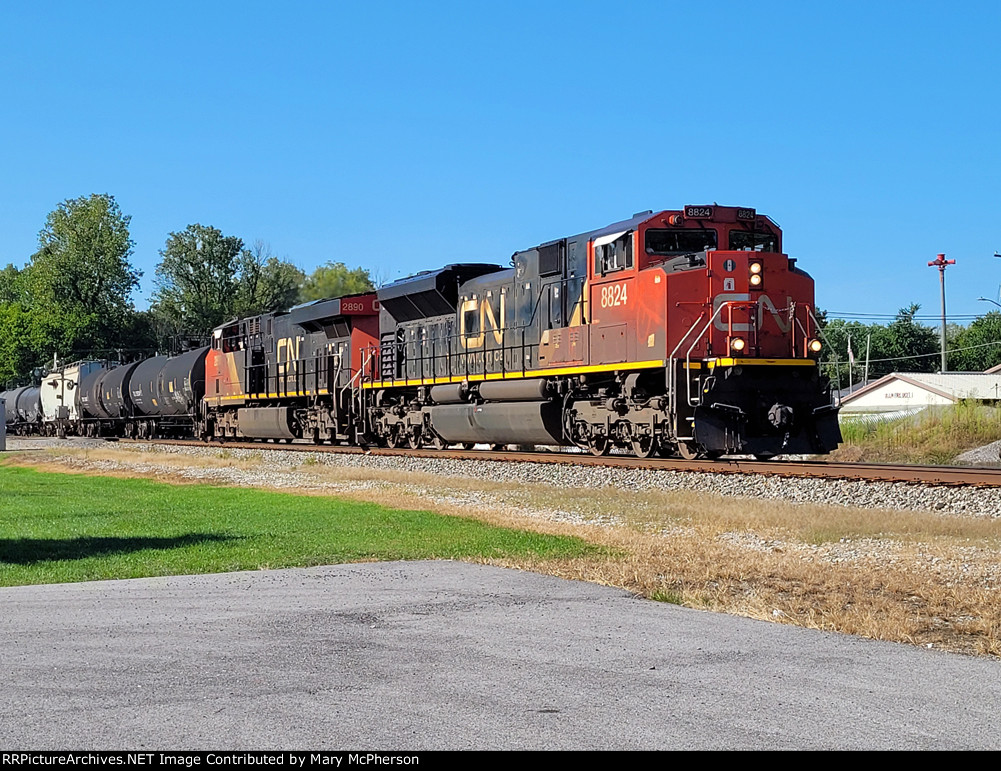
point(682, 332)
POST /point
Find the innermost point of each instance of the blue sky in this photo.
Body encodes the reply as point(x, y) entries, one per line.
point(401, 136)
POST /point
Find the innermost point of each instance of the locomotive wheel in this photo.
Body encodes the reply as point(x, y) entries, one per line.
point(644, 446)
point(438, 443)
point(467, 446)
point(414, 439)
point(393, 439)
point(599, 445)
point(688, 450)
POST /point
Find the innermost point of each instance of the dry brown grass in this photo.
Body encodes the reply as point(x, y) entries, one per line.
point(912, 577)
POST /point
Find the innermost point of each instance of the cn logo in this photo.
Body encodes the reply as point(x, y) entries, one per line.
point(765, 304)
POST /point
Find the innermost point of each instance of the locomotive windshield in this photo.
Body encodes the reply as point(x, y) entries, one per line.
point(745, 240)
point(670, 242)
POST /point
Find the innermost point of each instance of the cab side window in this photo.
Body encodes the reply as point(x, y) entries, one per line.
point(617, 255)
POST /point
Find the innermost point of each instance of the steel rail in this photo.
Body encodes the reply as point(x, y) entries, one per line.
point(934, 476)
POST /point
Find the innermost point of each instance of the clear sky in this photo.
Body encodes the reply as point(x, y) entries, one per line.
point(400, 136)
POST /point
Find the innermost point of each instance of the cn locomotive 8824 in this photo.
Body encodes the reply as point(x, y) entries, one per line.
point(680, 333)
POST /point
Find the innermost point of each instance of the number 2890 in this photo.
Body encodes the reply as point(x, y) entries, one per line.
point(613, 295)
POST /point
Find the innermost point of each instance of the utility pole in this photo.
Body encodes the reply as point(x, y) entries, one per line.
point(941, 263)
point(868, 340)
point(999, 286)
point(988, 299)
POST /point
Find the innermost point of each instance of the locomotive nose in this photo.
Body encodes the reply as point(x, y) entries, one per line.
point(780, 415)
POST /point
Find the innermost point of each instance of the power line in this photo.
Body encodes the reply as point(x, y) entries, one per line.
point(876, 316)
point(924, 355)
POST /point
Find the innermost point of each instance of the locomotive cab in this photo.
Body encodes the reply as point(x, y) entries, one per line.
point(707, 294)
point(743, 338)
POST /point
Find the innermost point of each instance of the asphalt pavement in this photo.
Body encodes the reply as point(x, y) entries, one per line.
point(445, 655)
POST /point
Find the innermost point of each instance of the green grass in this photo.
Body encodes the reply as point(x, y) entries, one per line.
point(68, 527)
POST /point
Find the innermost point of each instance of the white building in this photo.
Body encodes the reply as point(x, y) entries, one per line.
point(905, 393)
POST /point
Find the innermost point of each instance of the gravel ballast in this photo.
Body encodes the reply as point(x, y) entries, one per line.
point(290, 469)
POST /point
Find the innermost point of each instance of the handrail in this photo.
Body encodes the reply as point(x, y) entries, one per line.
point(361, 370)
point(820, 333)
point(682, 341)
point(806, 334)
point(458, 360)
point(671, 373)
point(688, 353)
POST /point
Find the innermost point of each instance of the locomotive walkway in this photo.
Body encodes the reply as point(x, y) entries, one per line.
point(443, 655)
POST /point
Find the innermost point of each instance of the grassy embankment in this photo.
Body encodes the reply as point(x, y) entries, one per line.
point(932, 437)
point(69, 527)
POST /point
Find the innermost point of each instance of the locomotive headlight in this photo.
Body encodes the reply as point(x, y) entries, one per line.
point(755, 279)
point(755, 268)
point(815, 345)
point(737, 344)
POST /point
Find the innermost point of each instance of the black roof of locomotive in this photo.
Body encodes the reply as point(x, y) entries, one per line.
point(431, 292)
point(309, 313)
point(306, 314)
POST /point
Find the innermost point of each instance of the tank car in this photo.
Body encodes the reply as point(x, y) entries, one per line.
point(24, 410)
point(94, 418)
point(160, 396)
point(684, 332)
point(114, 394)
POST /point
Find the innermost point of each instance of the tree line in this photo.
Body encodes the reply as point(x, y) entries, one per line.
point(905, 345)
point(73, 297)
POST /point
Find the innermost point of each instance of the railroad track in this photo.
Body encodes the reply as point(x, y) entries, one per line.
point(939, 476)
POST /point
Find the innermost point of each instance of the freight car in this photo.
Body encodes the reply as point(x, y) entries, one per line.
point(156, 397)
point(24, 410)
point(683, 332)
point(62, 393)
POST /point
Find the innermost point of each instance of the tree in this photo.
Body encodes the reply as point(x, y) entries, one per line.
point(12, 284)
point(16, 356)
point(902, 346)
point(335, 279)
point(81, 275)
point(206, 278)
point(196, 280)
point(264, 283)
point(978, 346)
point(911, 344)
